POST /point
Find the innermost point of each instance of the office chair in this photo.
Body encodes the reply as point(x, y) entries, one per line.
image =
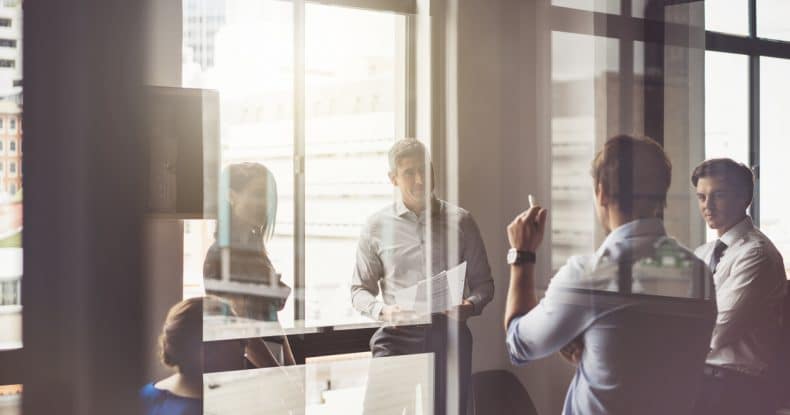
point(499, 392)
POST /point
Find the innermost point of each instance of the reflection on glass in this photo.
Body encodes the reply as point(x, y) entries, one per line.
point(10, 399)
point(345, 384)
point(580, 64)
point(726, 109)
point(244, 50)
point(773, 19)
point(774, 147)
point(354, 100)
point(731, 16)
point(11, 176)
point(602, 6)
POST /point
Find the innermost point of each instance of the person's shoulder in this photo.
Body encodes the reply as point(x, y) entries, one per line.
point(149, 392)
point(574, 273)
point(700, 250)
point(756, 241)
point(379, 219)
point(455, 213)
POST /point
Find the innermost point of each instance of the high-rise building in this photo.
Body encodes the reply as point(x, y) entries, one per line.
point(202, 20)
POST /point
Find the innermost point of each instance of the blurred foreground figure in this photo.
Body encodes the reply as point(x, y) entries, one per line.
point(637, 315)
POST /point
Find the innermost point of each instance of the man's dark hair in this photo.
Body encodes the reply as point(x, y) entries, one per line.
point(735, 174)
point(634, 172)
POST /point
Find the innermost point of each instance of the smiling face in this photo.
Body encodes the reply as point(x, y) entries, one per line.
point(410, 177)
point(721, 204)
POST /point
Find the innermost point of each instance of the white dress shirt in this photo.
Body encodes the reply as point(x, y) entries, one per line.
point(399, 248)
point(643, 352)
point(750, 287)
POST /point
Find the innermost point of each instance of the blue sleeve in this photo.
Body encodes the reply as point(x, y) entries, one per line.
point(551, 325)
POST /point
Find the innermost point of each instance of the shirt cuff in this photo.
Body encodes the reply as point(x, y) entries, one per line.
point(475, 300)
point(375, 311)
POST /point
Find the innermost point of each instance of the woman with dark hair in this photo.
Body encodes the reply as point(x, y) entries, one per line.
point(237, 266)
point(180, 347)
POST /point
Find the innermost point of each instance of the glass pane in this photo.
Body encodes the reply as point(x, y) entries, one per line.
point(10, 399)
point(773, 19)
point(727, 16)
point(580, 66)
point(346, 384)
point(774, 147)
point(726, 108)
point(354, 100)
point(244, 50)
point(11, 176)
point(602, 6)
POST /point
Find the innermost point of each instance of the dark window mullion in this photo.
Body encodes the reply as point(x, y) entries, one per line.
point(754, 132)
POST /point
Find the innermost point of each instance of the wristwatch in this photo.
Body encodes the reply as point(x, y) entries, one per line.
point(516, 257)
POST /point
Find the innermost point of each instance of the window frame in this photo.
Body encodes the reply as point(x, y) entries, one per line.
point(342, 339)
point(754, 48)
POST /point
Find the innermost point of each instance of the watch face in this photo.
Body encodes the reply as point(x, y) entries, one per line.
point(512, 254)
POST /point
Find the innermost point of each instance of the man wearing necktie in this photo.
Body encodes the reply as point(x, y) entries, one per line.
point(749, 276)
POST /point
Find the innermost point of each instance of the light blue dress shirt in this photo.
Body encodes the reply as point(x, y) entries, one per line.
point(644, 307)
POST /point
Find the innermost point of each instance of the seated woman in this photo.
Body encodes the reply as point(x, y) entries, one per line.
point(237, 266)
point(181, 348)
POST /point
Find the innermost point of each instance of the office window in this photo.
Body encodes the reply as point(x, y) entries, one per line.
point(580, 67)
point(8, 43)
point(340, 174)
point(772, 19)
point(730, 16)
point(10, 208)
point(748, 102)
point(12, 124)
point(726, 106)
point(603, 6)
point(774, 146)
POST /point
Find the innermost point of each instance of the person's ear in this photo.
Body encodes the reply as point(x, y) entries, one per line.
point(600, 195)
point(393, 179)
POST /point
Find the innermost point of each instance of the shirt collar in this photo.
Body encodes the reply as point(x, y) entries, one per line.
point(618, 240)
point(737, 232)
point(401, 209)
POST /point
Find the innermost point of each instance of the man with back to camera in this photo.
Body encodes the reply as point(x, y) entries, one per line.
point(749, 276)
point(392, 253)
point(641, 307)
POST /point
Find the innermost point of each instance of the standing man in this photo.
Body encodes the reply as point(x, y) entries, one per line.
point(407, 242)
point(638, 312)
point(750, 286)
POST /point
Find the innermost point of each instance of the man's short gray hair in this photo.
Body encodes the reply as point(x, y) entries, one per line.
point(403, 148)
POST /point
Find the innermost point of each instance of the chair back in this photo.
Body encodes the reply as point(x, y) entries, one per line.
point(499, 392)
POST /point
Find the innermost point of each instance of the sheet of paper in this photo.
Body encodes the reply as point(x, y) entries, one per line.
point(446, 291)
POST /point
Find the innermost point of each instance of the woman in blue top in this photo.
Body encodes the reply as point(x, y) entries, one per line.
point(181, 348)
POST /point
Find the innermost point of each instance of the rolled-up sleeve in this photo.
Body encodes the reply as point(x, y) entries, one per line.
point(368, 270)
point(478, 271)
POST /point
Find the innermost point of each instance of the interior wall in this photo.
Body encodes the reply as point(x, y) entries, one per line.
point(500, 142)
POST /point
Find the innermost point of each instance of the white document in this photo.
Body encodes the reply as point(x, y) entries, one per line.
point(446, 291)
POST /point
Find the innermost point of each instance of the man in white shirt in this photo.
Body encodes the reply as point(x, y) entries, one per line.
point(641, 306)
point(750, 286)
point(404, 243)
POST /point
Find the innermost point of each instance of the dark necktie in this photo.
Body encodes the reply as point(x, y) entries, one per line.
point(718, 251)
